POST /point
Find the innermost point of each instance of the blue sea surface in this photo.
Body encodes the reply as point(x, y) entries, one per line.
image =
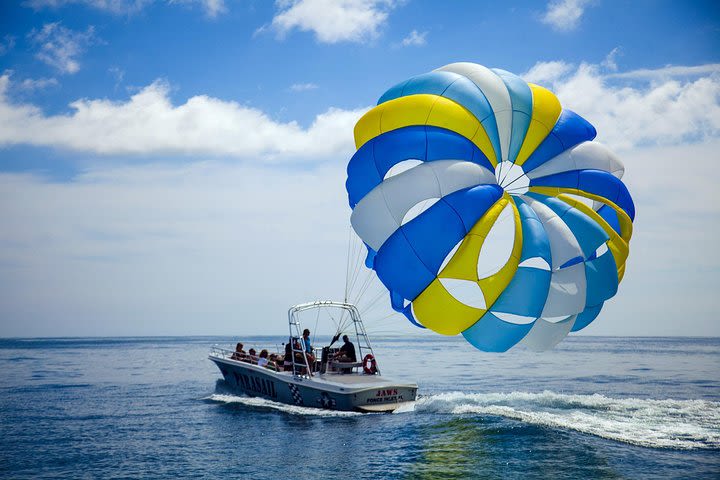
point(594, 407)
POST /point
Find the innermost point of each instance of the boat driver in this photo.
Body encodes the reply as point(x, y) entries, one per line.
point(346, 352)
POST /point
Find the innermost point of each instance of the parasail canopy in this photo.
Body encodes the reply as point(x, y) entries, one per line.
point(487, 209)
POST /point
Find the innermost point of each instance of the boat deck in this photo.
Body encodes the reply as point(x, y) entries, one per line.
point(337, 380)
point(354, 379)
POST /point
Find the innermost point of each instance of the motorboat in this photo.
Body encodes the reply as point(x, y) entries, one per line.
point(304, 378)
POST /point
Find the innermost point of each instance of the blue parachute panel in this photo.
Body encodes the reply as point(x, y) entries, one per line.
point(431, 83)
point(570, 129)
point(434, 233)
point(472, 203)
point(526, 294)
point(399, 145)
point(535, 240)
point(608, 186)
point(610, 216)
point(397, 301)
point(370, 257)
point(586, 317)
point(602, 279)
point(393, 92)
point(596, 182)
point(521, 98)
point(587, 232)
point(563, 179)
point(491, 334)
point(362, 174)
point(409, 260)
point(445, 144)
point(571, 262)
point(399, 268)
point(398, 304)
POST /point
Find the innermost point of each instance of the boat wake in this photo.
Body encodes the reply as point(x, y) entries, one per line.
point(676, 424)
point(262, 403)
point(673, 424)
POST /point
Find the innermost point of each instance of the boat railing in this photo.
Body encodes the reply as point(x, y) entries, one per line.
point(219, 352)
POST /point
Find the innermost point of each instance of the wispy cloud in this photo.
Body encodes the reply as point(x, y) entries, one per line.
point(149, 123)
point(610, 62)
point(7, 44)
point(303, 87)
point(120, 7)
point(118, 74)
point(32, 84)
point(669, 71)
point(212, 8)
point(414, 38)
point(332, 21)
point(657, 109)
point(564, 15)
point(61, 47)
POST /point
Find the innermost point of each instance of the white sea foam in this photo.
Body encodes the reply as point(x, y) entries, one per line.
point(257, 402)
point(678, 424)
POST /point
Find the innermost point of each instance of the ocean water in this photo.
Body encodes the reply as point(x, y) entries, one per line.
point(594, 407)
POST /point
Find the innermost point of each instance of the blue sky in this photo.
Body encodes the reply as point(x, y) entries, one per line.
point(177, 167)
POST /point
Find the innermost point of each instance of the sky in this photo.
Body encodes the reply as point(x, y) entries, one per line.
point(177, 167)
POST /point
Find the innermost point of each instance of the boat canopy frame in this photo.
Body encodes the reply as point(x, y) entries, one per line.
point(361, 337)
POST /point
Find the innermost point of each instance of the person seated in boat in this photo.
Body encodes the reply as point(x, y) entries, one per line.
point(308, 346)
point(252, 356)
point(291, 357)
point(239, 353)
point(263, 358)
point(275, 362)
point(298, 359)
point(287, 359)
point(346, 354)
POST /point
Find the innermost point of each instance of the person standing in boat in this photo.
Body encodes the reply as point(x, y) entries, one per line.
point(308, 347)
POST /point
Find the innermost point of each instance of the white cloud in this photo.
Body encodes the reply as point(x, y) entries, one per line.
point(664, 111)
point(303, 87)
point(545, 72)
point(332, 21)
point(31, 84)
point(564, 15)
point(127, 7)
point(415, 38)
point(60, 47)
point(148, 123)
